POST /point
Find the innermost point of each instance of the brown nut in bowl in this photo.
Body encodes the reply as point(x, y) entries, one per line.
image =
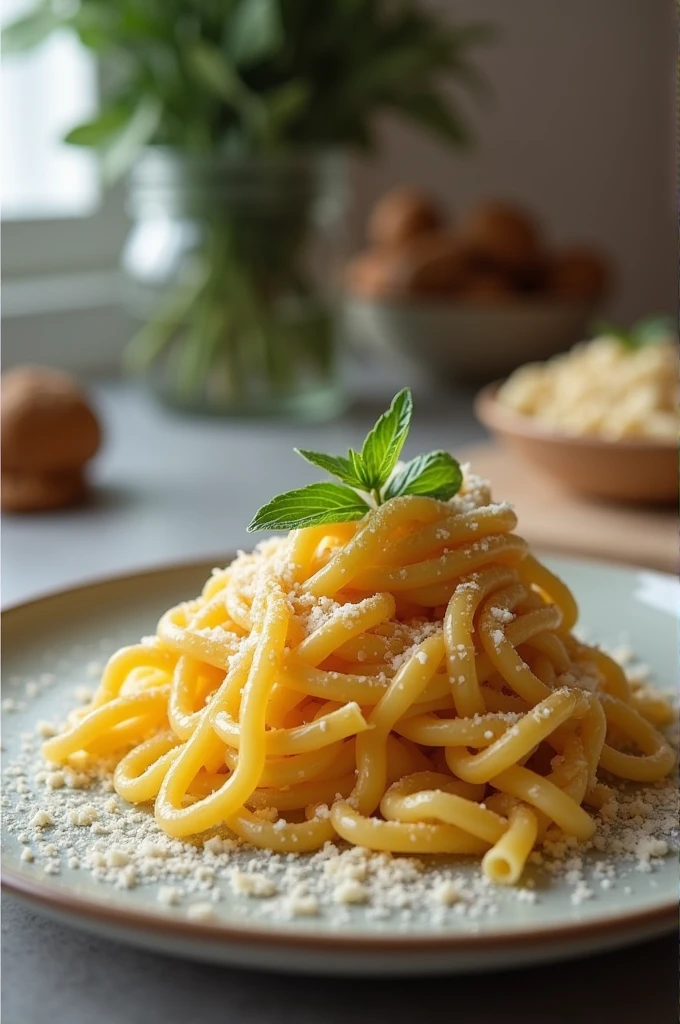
point(401, 215)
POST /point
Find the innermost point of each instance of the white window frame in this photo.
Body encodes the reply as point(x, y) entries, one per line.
point(78, 244)
point(60, 290)
point(61, 286)
point(70, 244)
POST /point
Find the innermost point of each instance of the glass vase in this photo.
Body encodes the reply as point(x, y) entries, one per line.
point(231, 272)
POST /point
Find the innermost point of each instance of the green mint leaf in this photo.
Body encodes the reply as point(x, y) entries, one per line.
point(313, 505)
point(99, 132)
point(384, 442)
point(653, 329)
point(435, 475)
point(123, 147)
point(255, 31)
point(357, 467)
point(336, 465)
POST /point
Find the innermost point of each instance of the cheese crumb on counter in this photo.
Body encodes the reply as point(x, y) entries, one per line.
point(41, 819)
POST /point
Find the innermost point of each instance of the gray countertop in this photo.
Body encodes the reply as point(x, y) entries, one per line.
point(173, 489)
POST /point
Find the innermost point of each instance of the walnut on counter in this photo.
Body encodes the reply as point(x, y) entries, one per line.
point(49, 433)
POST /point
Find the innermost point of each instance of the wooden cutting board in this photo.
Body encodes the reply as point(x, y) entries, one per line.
point(557, 520)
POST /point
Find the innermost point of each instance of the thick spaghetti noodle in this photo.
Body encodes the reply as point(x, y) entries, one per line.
point(408, 683)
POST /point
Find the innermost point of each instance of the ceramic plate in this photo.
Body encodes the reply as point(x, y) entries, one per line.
point(57, 643)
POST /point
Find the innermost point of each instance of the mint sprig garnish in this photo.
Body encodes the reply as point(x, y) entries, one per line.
point(368, 478)
point(649, 331)
point(370, 468)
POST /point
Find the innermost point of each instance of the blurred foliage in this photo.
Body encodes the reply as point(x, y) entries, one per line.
point(252, 76)
point(651, 330)
point(248, 78)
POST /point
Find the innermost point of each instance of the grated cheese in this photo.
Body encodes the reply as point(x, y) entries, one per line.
point(350, 890)
point(251, 884)
point(70, 818)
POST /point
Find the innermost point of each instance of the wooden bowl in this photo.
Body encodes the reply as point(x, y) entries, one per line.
point(639, 471)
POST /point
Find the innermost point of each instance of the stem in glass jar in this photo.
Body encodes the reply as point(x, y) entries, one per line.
point(244, 321)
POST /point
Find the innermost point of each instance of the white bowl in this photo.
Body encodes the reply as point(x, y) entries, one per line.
point(467, 341)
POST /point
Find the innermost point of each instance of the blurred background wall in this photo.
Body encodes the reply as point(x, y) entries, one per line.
point(581, 129)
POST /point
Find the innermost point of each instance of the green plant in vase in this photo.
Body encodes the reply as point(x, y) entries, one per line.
point(231, 116)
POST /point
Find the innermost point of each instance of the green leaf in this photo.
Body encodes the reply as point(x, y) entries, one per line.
point(653, 329)
point(31, 30)
point(119, 154)
point(389, 70)
point(384, 442)
point(336, 465)
point(357, 465)
point(255, 31)
point(214, 72)
point(97, 25)
point(285, 104)
point(309, 506)
point(100, 130)
point(648, 331)
point(435, 475)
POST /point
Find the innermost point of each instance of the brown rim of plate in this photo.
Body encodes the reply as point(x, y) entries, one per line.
point(495, 415)
point(660, 918)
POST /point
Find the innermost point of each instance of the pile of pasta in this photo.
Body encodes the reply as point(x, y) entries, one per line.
point(408, 683)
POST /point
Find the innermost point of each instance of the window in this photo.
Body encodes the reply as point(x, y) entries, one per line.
point(44, 93)
point(56, 218)
point(61, 232)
